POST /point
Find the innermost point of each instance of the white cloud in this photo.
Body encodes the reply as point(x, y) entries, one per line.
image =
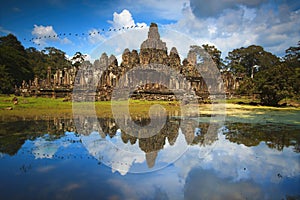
point(122, 35)
point(44, 34)
point(242, 26)
point(95, 37)
point(123, 19)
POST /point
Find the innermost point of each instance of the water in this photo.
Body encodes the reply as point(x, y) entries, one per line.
point(50, 159)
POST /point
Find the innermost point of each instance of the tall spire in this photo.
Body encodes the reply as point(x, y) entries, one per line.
point(153, 41)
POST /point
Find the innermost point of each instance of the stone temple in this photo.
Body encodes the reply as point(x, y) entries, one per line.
point(105, 74)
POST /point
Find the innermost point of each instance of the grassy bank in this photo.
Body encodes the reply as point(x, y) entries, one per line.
point(31, 107)
point(42, 108)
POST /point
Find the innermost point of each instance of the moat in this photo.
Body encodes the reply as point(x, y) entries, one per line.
point(50, 159)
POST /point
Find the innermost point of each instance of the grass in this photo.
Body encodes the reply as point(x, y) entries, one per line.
point(42, 108)
point(31, 107)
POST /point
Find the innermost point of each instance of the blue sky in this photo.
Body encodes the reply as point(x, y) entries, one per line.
point(273, 24)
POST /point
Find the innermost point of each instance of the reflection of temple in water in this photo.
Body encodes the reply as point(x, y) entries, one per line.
point(152, 145)
point(195, 133)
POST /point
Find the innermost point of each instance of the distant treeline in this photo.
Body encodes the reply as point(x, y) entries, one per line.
point(264, 73)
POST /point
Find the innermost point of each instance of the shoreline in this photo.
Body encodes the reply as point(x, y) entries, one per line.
point(31, 108)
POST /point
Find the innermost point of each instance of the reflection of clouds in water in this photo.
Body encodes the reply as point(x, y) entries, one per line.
point(113, 151)
point(239, 162)
point(229, 171)
point(229, 160)
point(162, 184)
point(1, 155)
point(172, 152)
point(286, 162)
point(45, 148)
point(204, 184)
point(128, 157)
point(45, 169)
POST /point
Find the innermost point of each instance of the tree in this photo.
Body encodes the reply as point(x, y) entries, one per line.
point(38, 61)
point(293, 55)
point(275, 84)
point(250, 60)
point(292, 59)
point(56, 58)
point(6, 84)
point(246, 87)
point(215, 55)
point(78, 59)
point(265, 74)
point(11, 41)
point(14, 63)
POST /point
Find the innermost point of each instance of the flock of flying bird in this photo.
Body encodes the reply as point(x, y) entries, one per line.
point(33, 40)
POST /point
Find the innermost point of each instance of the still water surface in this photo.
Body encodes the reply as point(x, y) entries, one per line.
point(50, 159)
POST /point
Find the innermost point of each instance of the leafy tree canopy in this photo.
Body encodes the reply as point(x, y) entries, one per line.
point(250, 60)
point(18, 64)
point(215, 55)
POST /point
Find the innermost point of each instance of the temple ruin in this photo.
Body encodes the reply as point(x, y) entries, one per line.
point(106, 73)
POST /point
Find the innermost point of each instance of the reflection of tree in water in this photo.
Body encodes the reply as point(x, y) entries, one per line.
point(108, 126)
point(13, 134)
point(275, 136)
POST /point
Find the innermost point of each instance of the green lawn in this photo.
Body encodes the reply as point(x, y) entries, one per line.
point(31, 107)
point(42, 108)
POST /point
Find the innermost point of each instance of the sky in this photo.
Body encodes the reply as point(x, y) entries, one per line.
point(226, 24)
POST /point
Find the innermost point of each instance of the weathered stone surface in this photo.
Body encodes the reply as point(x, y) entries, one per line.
point(153, 41)
point(134, 59)
point(129, 59)
point(126, 57)
point(174, 60)
point(101, 63)
point(155, 56)
point(112, 61)
point(153, 49)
